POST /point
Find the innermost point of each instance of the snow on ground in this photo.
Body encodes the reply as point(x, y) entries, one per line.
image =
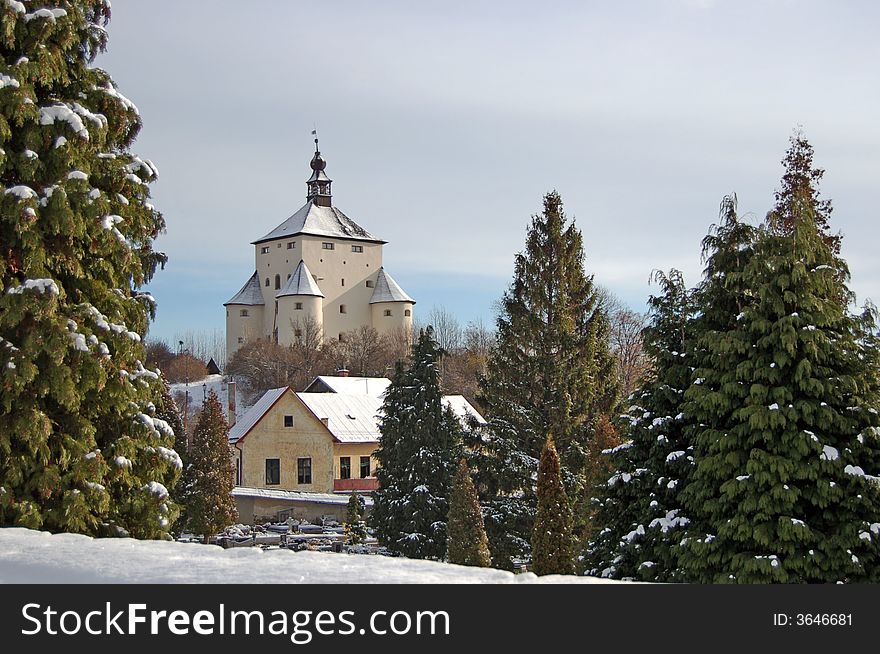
point(216, 383)
point(28, 556)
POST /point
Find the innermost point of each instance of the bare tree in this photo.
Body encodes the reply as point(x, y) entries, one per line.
point(261, 364)
point(204, 344)
point(364, 351)
point(447, 329)
point(627, 347)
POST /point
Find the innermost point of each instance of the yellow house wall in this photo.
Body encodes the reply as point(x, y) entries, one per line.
point(355, 451)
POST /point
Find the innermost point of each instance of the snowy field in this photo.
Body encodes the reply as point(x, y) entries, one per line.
point(28, 556)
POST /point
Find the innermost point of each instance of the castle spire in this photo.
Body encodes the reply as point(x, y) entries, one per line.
point(318, 184)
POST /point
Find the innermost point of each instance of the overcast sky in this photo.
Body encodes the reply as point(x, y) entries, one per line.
point(444, 123)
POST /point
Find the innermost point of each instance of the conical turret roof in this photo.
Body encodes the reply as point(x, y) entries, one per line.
point(387, 290)
point(301, 282)
point(250, 294)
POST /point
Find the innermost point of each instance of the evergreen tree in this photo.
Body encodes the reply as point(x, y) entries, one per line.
point(208, 477)
point(166, 409)
point(599, 468)
point(640, 512)
point(355, 527)
point(467, 542)
point(80, 447)
point(552, 538)
point(786, 422)
point(421, 440)
point(550, 371)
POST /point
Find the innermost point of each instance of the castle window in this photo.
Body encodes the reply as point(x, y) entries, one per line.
point(267, 281)
point(345, 467)
point(277, 282)
point(357, 248)
point(243, 313)
point(343, 281)
point(365, 467)
point(326, 246)
point(387, 313)
point(341, 338)
point(407, 312)
point(288, 421)
point(298, 334)
point(304, 471)
point(298, 306)
point(291, 245)
point(288, 275)
point(264, 250)
point(273, 472)
point(342, 308)
point(240, 340)
point(369, 283)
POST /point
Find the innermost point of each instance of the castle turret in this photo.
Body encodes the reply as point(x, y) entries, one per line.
point(300, 313)
point(319, 183)
point(244, 315)
point(390, 306)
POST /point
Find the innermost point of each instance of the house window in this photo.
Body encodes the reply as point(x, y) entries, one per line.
point(288, 421)
point(267, 281)
point(365, 467)
point(407, 312)
point(304, 471)
point(273, 472)
point(357, 248)
point(387, 313)
point(326, 246)
point(345, 467)
point(277, 282)
point(291, 245)
point(342, 308)
point(264, 250)
point(369, 283)
point(243, 313)
point(298, 306)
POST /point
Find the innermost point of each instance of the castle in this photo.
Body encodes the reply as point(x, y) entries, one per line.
point(318, 271)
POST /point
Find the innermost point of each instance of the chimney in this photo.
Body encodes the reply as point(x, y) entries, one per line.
point(342, 372)
point(231, 403)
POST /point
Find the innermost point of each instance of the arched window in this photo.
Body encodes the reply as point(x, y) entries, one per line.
point(277, 282)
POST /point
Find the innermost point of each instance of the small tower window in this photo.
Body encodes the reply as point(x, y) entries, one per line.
point(291, 245)
point(277, 282)
point(387, 313)
point(357, 248)
point(326, 246)
point(342, 309)
point(407, 313)
point(267, 281)
point(240, 340)
point(298, 306)
point(369, 283)
point(243, 313)
point(264, 250)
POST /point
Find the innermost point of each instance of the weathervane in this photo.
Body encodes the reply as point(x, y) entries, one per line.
point(315, 134)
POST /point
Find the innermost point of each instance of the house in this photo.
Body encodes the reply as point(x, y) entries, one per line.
point(305, 453)
point(317, 270)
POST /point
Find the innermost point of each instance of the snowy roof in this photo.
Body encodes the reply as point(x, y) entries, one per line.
point(301, 282)
point(462, 408)
point(387, 290)
point(294, 496)
point(375, 386)
point(350, 418)
point(250, 293)
point(255, 413)
point(320, 221)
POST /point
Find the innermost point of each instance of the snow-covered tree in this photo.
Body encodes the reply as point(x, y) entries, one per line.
point(421, 441)
point(552, 536)
point(550, 371)
point(786, 441)
point(467, 543)
point(80, 446)
point(355, 527)
point(640, 512)
point(208, 480)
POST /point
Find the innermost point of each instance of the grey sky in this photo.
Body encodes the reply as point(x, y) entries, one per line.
point(444, 123)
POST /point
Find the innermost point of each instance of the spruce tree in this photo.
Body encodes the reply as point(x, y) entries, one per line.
point(640, 511)
point(550, 371)
point(785, 414)
point(421, 440)
point(208, 477)
point(355, 527)
point(467, 541)
point(552, 537)
point(81, 448)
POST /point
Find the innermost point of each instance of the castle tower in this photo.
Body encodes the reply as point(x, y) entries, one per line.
point(300, 308)
point(390, 306)
point(244, 315)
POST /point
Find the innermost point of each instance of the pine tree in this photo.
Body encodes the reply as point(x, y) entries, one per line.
point(467, 541)
point(552, 538)
point(786, 422)
point(421, 440)
point(598, 469)
point(640, 512)
point(355, 527)
point(166, 409)
point(550, 371)
point(80, 446)
point(208, 477)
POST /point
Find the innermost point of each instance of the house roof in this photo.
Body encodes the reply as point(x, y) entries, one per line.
point(387, 290)
point(350, 418)
point(462, 408)
point(375, 386)
point(295, 496)
point(301, 282)
point(256, 413)
point(316, 220)
point(250, 294)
